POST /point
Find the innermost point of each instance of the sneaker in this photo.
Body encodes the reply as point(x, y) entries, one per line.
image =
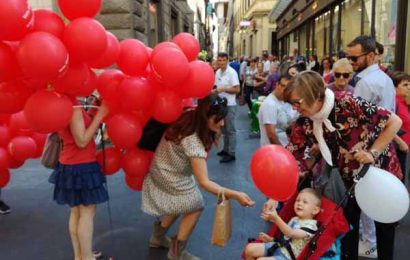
point(227, 158)
point(222, 153)
point(4, 208)
point(367, 250)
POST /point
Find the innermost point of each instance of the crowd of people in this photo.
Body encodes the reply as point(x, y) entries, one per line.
point(305, 102)
point(343, 113)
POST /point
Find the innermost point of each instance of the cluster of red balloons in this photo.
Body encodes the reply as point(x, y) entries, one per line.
point(45, 63)
point(275, 172)
point(18, 142)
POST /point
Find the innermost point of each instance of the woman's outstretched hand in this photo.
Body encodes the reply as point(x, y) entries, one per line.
point(244, 199)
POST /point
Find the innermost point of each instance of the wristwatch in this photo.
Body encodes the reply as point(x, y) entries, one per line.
point(374, 153)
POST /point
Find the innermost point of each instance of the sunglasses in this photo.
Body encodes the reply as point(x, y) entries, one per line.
point(355, 58)
point(345, 75)
point(296, 103)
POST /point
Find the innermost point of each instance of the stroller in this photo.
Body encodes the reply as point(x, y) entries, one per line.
point(331, 225)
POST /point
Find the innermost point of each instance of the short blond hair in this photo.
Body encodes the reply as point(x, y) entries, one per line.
point(343, 63)
point(314, 193)
point(309, 85)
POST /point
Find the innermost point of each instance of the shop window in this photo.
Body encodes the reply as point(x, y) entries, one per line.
point(351, 21)
point(367, 17)
point(385, 28)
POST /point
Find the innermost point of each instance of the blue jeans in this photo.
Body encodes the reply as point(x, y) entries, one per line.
point(229, 131)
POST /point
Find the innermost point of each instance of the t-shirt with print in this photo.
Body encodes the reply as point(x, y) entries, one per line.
point(297, 244)
point(228, 78)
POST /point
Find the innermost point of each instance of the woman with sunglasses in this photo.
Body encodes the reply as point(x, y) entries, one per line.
point(342, 72)
point(349, 132)
point(170, 190)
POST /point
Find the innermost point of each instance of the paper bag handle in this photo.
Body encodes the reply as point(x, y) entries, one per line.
point(221, 196)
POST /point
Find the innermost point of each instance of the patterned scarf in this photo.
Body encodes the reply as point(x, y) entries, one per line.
point(320, 118)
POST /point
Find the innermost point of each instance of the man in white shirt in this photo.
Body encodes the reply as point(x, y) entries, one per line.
point(227, 85)
point(372, 84)
point(375, 86)
point(275, 116)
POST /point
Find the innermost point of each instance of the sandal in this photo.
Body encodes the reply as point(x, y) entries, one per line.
point(98, 255)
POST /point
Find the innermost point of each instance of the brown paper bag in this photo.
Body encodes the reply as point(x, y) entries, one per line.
point(221, 231)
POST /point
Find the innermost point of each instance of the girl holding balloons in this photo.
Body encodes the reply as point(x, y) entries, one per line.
point(349, 132)
point(78, 180)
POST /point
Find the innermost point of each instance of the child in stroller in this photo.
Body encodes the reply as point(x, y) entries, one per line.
point(298, 231)
point(331, 224)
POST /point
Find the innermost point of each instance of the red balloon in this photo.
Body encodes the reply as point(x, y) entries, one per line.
point(88, 87)
point(133, 58)
point(136, 93)
point(112, 160)
point(5, 135)
point(8, 63)
point(107, 86)
point(16, 19)
point(136, 162)
point(85, 39)
point(163, 45)
point(35, 84)
point(4, 178)
point(274, 171)
point(73, 9)
point(170, 66)
point(134, 183)
point(4, 119)
point(22, 148)
point(110, 55)
point(48, 21)
point(48, 111)
point(19, 124)
point(14, 164)
point(4, 159)
point(73, 79)
point(42, 55)
point(167, 106)
point(124, 130)
point(200, 80)
point(188, 44)
point(13, 96)
point(40, 140)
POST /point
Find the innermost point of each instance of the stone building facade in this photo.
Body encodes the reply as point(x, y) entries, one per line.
point(150, 21)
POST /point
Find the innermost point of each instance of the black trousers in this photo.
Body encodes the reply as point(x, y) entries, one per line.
point(384, 234)
point(248, 91)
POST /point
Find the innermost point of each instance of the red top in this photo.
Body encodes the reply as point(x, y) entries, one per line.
point(71, 153)
point(404, 114)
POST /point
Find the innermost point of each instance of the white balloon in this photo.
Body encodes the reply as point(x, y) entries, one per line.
point(382, 196)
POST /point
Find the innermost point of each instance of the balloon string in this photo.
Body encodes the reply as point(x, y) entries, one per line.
point(86, 106)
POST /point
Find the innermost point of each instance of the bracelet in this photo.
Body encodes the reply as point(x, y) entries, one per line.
point(374, 153)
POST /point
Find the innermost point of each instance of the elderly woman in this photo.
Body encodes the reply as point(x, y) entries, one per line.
point(358, 132)
point(342, 72)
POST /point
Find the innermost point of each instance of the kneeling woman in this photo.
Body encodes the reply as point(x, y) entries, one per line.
point(169, 190)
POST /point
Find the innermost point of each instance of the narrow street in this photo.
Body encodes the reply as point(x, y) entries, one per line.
point(37, 227)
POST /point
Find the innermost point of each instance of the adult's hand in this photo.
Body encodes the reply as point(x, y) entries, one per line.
point(363, 157)
point(244, 199)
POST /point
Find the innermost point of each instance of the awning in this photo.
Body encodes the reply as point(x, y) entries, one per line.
point(278, 9)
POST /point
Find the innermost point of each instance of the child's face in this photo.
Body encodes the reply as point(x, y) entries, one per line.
point(306, 206)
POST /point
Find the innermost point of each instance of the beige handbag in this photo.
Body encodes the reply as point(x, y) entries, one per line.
point(221, 231)
point(51, 152)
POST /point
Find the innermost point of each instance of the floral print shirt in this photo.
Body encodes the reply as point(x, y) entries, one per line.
point(358, 123)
